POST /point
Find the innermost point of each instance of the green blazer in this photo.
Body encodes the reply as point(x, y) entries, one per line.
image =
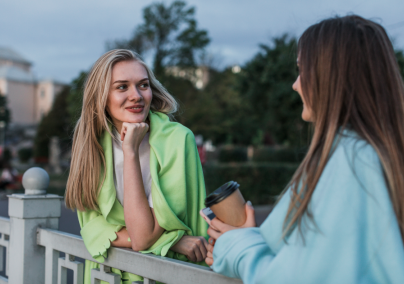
point(178, 193)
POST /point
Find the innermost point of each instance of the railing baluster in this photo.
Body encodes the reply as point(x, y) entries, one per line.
point(148, 281)
point(4, 244)
point(1, 257)
point(104, 274)
point(51, 265)
point(68, 262)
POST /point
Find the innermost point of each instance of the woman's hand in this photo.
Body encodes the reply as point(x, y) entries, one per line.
point(132, 135)
point(194, 248)
point(209, 256)
point(218, 228)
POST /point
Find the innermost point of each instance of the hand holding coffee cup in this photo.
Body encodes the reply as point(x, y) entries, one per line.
point(228, 204)
point(218, 228)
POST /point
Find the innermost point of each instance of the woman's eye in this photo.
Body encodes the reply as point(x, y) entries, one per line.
point(144, 85)
point(122, 87)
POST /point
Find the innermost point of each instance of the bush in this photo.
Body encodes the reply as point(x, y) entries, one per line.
point(260, 183)
point(233, 154)
point(269, 154)
point(7, 155)
point(24, 154)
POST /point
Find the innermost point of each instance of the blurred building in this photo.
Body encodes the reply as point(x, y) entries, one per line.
point(198, 76)
point(28, 98)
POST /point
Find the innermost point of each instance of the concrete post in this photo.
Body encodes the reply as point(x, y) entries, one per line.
point(27, 212)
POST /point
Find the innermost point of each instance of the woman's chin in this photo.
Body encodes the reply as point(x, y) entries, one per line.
point(136, 119)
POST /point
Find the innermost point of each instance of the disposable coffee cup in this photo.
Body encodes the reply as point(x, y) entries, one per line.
point(228, 204)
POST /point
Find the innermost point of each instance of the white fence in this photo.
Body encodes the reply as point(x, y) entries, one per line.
point(33, 245)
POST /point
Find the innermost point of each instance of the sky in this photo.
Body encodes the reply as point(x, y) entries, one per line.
point(65, 37)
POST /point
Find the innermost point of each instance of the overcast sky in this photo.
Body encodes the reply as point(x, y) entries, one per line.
point(64, 37)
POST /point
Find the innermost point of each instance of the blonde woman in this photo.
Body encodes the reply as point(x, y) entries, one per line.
point(135, 176)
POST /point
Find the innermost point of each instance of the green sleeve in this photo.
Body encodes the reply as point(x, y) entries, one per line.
point(178, 188)
point(97, 233)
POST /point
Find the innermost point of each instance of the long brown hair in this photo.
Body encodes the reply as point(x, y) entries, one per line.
point(350, 79)
point(86, 176)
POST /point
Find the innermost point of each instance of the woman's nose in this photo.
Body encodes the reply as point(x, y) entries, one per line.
point(134, 94)
point(294, 86)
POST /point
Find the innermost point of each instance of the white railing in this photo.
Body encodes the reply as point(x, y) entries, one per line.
point(4, 241)
point(151, 267)
point(35, 245)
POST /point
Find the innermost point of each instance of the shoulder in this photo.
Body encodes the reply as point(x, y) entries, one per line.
point(353, 171)
point(171, 132)
point(356, 153)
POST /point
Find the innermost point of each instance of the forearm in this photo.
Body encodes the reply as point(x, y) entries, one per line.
point(242, 253)
point(141, 225)
point(122, 240)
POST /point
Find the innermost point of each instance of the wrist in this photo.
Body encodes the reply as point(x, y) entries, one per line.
point(130, 152)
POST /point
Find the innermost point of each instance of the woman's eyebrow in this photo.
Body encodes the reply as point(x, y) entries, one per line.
point(120, 81)
point(144, 79)
point(126, 81)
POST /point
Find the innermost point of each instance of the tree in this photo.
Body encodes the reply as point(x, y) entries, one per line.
point(56, 123)
point(75, 97)
point(218, 112)
point(400, 61)
point(266, 84)
point(171, 33)
point(5, 117)
point(5, 114)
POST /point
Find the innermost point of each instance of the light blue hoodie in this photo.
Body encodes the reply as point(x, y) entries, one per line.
point(356, 238)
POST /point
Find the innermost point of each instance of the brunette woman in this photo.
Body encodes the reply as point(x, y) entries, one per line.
point(135, 176)
point(341, 220)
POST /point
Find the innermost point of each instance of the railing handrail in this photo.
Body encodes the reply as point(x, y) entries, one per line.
point(4, 225)
point(158, 268)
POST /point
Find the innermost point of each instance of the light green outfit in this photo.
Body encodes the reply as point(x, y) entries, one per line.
point(178, 193)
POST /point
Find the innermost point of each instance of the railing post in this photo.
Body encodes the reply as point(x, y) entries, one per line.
point(27, 212)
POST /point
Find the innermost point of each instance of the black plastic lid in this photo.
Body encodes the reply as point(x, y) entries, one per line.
point(221, 193)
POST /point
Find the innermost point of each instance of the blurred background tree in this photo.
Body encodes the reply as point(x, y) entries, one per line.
point(5, 114)
point(74, 98)
point(56, 123)
point(5, 119)
point(218, 112)
point(266, 84)
point(400, 61)
point(170, 33)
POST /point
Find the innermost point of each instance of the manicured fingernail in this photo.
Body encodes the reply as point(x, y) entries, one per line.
point(249, 203)
point(210, 241)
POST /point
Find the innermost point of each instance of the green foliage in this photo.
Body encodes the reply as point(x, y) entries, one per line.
point(257, 106)
point(24, 154)
point(170, 32)
point(7, 155)
point(75, 97)
point(233, 154)
point(266, 85)
point(217, 112)
point(285, 155)
point(400, 61)
point(56, 123)
point(259, 183)
point(5, 114)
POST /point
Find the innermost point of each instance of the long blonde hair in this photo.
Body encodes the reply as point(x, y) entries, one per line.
point(350, 79)
point(88, 160)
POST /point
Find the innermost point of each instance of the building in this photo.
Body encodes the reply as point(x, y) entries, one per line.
point(198, 76)
point(28, 98)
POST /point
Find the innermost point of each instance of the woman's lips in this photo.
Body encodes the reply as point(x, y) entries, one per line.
point(135, 109)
